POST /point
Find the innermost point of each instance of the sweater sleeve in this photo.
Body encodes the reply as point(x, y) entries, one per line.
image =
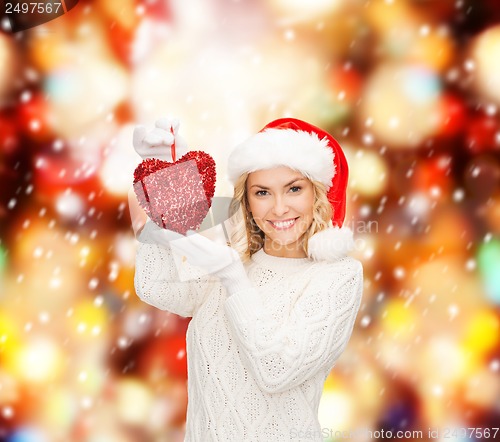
point(282, 353)
point(157, 281)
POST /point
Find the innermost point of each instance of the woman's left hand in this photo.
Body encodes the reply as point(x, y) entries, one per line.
point(204, 253)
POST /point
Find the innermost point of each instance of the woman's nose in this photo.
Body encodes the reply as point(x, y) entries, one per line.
point(280, 206)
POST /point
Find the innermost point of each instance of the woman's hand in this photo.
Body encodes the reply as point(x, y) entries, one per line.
point(204, 253)
point(153, 234)
point(214, 258)
point(198, 250)
point(208, 256)
point(158, 142)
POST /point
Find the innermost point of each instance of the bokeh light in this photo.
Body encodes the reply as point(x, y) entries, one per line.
point(486, 53)
point(302, 9)
point(409, 88)
point(400, 104)
point(489, 263)
point(38, 360)
point(7, 61)
point(368, 173)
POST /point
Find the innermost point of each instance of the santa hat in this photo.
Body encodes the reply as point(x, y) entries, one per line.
point(318, 156)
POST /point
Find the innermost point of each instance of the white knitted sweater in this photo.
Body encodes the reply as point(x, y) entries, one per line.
point(257, 359)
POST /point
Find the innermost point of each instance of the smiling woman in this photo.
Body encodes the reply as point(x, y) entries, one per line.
point(288, 149)
point(284, 212)
point(271, 314)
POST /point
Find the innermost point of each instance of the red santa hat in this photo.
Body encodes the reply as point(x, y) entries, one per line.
point(318, 156)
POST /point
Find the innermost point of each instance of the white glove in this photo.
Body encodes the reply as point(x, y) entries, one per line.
point(154, 234)
point(214, 258)
point(206, 255)
point(158, 142)
point(199, 251)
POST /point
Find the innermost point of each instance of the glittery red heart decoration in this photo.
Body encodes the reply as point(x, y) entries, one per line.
point(176, 196)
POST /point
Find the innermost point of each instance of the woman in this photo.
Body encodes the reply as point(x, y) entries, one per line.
point(271, 314)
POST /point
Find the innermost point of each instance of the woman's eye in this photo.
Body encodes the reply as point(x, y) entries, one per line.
point(258, 192)
point(295, 187)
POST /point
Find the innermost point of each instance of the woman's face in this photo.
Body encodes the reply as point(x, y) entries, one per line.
point(281, 202)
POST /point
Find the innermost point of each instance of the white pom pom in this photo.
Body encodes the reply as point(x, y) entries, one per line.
point(331, 244)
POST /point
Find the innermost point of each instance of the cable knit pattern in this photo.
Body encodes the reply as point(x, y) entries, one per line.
point(257, 359)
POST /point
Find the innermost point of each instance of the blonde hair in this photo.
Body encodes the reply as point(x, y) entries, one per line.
point(245, 235)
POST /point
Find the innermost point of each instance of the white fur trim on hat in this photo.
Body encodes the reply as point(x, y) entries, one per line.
point(330, 244)
point(297, 149)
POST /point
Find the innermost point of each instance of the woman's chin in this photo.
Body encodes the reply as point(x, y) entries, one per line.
point(279, 243)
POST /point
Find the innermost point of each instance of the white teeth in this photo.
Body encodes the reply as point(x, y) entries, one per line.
point(284, 224)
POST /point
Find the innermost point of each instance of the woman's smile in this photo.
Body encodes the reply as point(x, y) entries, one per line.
point(283, 224)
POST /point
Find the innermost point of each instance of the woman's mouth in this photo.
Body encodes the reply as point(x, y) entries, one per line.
point(283, 225)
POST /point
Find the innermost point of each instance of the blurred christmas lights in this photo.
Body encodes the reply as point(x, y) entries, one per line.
point(411, 92)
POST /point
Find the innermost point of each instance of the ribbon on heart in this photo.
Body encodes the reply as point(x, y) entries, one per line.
point(172, 147)
point(176, 196)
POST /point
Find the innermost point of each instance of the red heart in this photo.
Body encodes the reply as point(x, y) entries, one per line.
point(176, 196)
